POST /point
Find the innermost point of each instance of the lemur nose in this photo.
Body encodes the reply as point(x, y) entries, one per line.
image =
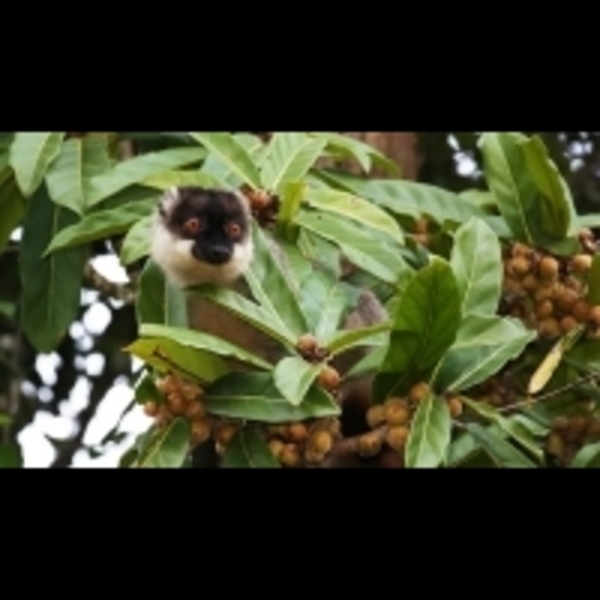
point(219, 254)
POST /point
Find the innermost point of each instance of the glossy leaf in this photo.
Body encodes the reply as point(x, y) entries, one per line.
point(371, 362)
point(80, 159)
point(232, 154)
point(13, 207)
point(423, 328)
point(11, 456)
point(483, 346)
point(342, 341)
point(138, 169)
point(254, 397)
point(483, 200)
point(503, 453)
point(363, 153)
point(168, 448)
point(477, 263)
point(30, 155)
point(102, 224)
point(349, 206)
point(272, 286)
point(361, 247)
point(136, 243)
point(511, 428)
point(169, 356)
point(588, 457)
point(146, 390)
point(291, 201)
point(51, 285)
point(558, 211)
point(247, 450)
point(293, 376)
point(158, 300)
point(430, 434)
point(202, 341)
point(408, 197)
point(168, 179)
point(288, 157)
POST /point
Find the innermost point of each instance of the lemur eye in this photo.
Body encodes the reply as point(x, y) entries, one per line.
point(193, 226)
point(233, 230)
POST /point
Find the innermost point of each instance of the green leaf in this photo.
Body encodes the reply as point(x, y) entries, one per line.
point(407, 198)
point(254, 397)
point(591, 221)
point(158, 300)
point(247, 450)
point(477, 263)
point(430, 434)
point(558, 211)
point(247, 310)
point(169, 356)
point(30, 156)
point(102, 224)
point(352, 207)
point(483, 346)
point(364, 154)
point(146, 390)
point(202, 341)
point(13, 207)
point(168, 179)
point(136, 170)
point(169, 448)
point(511, 428)
point(587, 458)
point(273, 288)
point(232, 154)
point(593, 291)
point(80, 159)
point(482, 199)
point(288, 157)
point(293, 377)
point(461, 450)
point(11, 456)
point(51, 285)
point(361, 247)
point(503, 453)
point(136, 244)
point(291, 201)
point(342, 341)
point(371, 363)
point(424, 327)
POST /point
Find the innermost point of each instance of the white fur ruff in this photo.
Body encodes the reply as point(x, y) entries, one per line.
point(174, 256)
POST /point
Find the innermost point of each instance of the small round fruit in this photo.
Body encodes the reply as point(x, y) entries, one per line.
point(194, 410)
point(297, 432)
point(519, 266)
point(375, 416)
point(225, 432)
point(555, 445)
point(396, 412)
point(548, 267)
point(200, 431)
point(151, 408)
point(520, 249)
point(307, 344)
point(568, 323)
point(276, 447)
point(581, 263)
point(530, 282)
point(581, 311)
point(544, 309)
point(190, 392)
point(566, 299)
point(329, 378)
point(397, 436)
point(419, 392)
point(321, 442)
point(544, 292)
point(176, 403)
point(576, 428)
point(456, 407)
point(290, 456)
point(369, 444)
point(549, 328)
point(595, 315)
point(168, 385)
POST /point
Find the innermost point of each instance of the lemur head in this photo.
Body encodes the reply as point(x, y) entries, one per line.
point(202, 236)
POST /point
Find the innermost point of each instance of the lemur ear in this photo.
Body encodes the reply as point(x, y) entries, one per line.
point(168, 200)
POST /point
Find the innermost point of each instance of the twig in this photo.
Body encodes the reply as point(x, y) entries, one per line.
point(349, 446)
point(119, 291)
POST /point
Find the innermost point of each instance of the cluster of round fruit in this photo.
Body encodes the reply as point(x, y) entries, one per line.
point(548, 293)
point(570, 434)
point(303, 443)
point(391, 421)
